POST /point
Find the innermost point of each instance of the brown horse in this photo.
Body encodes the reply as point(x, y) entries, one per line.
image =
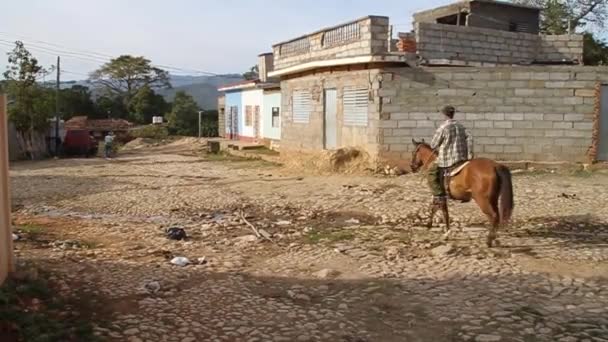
point(484, 180)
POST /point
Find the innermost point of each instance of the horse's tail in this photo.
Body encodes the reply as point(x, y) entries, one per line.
point(505, 192)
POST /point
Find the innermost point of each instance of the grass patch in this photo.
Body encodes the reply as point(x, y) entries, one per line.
point(30, 229)
point(263, 151)
point(315, 236)
point(30, 311)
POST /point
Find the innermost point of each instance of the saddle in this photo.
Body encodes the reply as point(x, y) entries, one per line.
point(450, 172)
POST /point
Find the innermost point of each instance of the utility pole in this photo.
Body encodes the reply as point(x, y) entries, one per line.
point(200, 113)
point(57, 108)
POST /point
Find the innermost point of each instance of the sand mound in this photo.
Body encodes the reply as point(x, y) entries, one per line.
point(345, 160)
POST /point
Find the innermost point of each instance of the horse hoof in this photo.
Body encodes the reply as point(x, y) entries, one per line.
point(496, 243)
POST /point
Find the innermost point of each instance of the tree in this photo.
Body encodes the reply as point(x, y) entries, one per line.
point(124, 76)
point(146, 104)
point(560, 15)
point(581, 13)
point(183, 118)
point(32, 104)
point(596, 51)
point(252, 74)
point(76, 101)
point(110, 107)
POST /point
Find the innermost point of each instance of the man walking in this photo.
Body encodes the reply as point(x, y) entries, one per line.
point(454, 146)
point(108, 142)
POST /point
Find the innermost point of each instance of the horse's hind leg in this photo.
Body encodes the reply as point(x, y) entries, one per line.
point(433, 210)
point(490, 208)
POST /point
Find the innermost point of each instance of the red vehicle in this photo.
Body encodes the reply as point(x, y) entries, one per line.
point(80, 142)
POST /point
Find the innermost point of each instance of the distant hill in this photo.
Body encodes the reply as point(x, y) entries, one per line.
point(202, 88)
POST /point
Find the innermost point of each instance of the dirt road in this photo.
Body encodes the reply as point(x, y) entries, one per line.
point(347, 261)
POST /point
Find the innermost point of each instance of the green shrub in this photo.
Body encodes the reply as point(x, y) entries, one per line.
point(158, 132)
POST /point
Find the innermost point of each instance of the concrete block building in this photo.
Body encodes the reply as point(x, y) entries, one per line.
point(523, 95)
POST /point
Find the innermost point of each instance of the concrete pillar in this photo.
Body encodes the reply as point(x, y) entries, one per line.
point(265, 65)
point(6, 236)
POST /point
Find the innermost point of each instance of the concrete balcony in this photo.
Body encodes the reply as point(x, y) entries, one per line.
point(364, 40)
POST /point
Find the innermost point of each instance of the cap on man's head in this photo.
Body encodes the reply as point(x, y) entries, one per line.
point(448, 111)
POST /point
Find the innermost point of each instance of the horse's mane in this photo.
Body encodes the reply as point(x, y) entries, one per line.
point(425, 144)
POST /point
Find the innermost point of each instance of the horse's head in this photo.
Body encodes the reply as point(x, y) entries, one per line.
point(421, 156)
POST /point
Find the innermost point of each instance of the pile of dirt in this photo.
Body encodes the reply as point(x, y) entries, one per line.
point(188, 141)
point(138, 143)
point(345, 160)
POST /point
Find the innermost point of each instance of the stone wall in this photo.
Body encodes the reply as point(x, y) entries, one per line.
point(481, 45)
point(514, 113)
point(309, 137)
point(371, 39)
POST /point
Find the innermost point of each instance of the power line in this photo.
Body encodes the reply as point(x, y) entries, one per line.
point(95, 56)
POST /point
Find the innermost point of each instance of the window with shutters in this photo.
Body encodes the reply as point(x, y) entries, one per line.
point(355, 106)
point(302, 106)
point(248, 116)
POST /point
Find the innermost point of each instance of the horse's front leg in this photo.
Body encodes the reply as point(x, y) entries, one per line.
point(446, 218)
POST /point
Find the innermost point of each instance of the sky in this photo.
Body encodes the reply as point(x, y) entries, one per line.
point(217, 36)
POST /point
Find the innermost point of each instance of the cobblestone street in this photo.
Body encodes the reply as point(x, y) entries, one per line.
point(343, 258)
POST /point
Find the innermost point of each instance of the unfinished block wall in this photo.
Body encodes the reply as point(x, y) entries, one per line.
point(488, 46)
point(514, 113)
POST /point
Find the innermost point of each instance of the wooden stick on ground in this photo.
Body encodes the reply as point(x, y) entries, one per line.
point(256, 231)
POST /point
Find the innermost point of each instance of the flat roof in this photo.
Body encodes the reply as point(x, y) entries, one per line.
point(330, 28)
point(467, 2)
point(253, 84)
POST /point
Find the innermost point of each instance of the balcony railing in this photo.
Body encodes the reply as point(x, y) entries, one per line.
point(342, 35)
point(362, 37)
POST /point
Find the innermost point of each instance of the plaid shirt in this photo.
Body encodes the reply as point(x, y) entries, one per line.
point(453, 144)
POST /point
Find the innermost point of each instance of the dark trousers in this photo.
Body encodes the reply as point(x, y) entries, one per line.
point(435, 180)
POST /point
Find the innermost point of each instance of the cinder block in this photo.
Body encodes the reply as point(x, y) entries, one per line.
point(554, 133)
point(574, 117)
point(495, 132)
point(542, 124)
point(494, 116)
point(533, 116)
point(505, 141)
point(562, 125)
point(425, 124)
point(585, 92)
point(587, 76)
point(559, 76)
point(524, 92)
point(553, 117)
point(494, 148)
point(522, 124)
point(503, 124)
point(388, 124)
point(483, 124)
point(583, 125)
point(474, 116)
point(573, 100)
point(513, 149)
point(407, 124)
point(514, 116)
point(572, 133)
